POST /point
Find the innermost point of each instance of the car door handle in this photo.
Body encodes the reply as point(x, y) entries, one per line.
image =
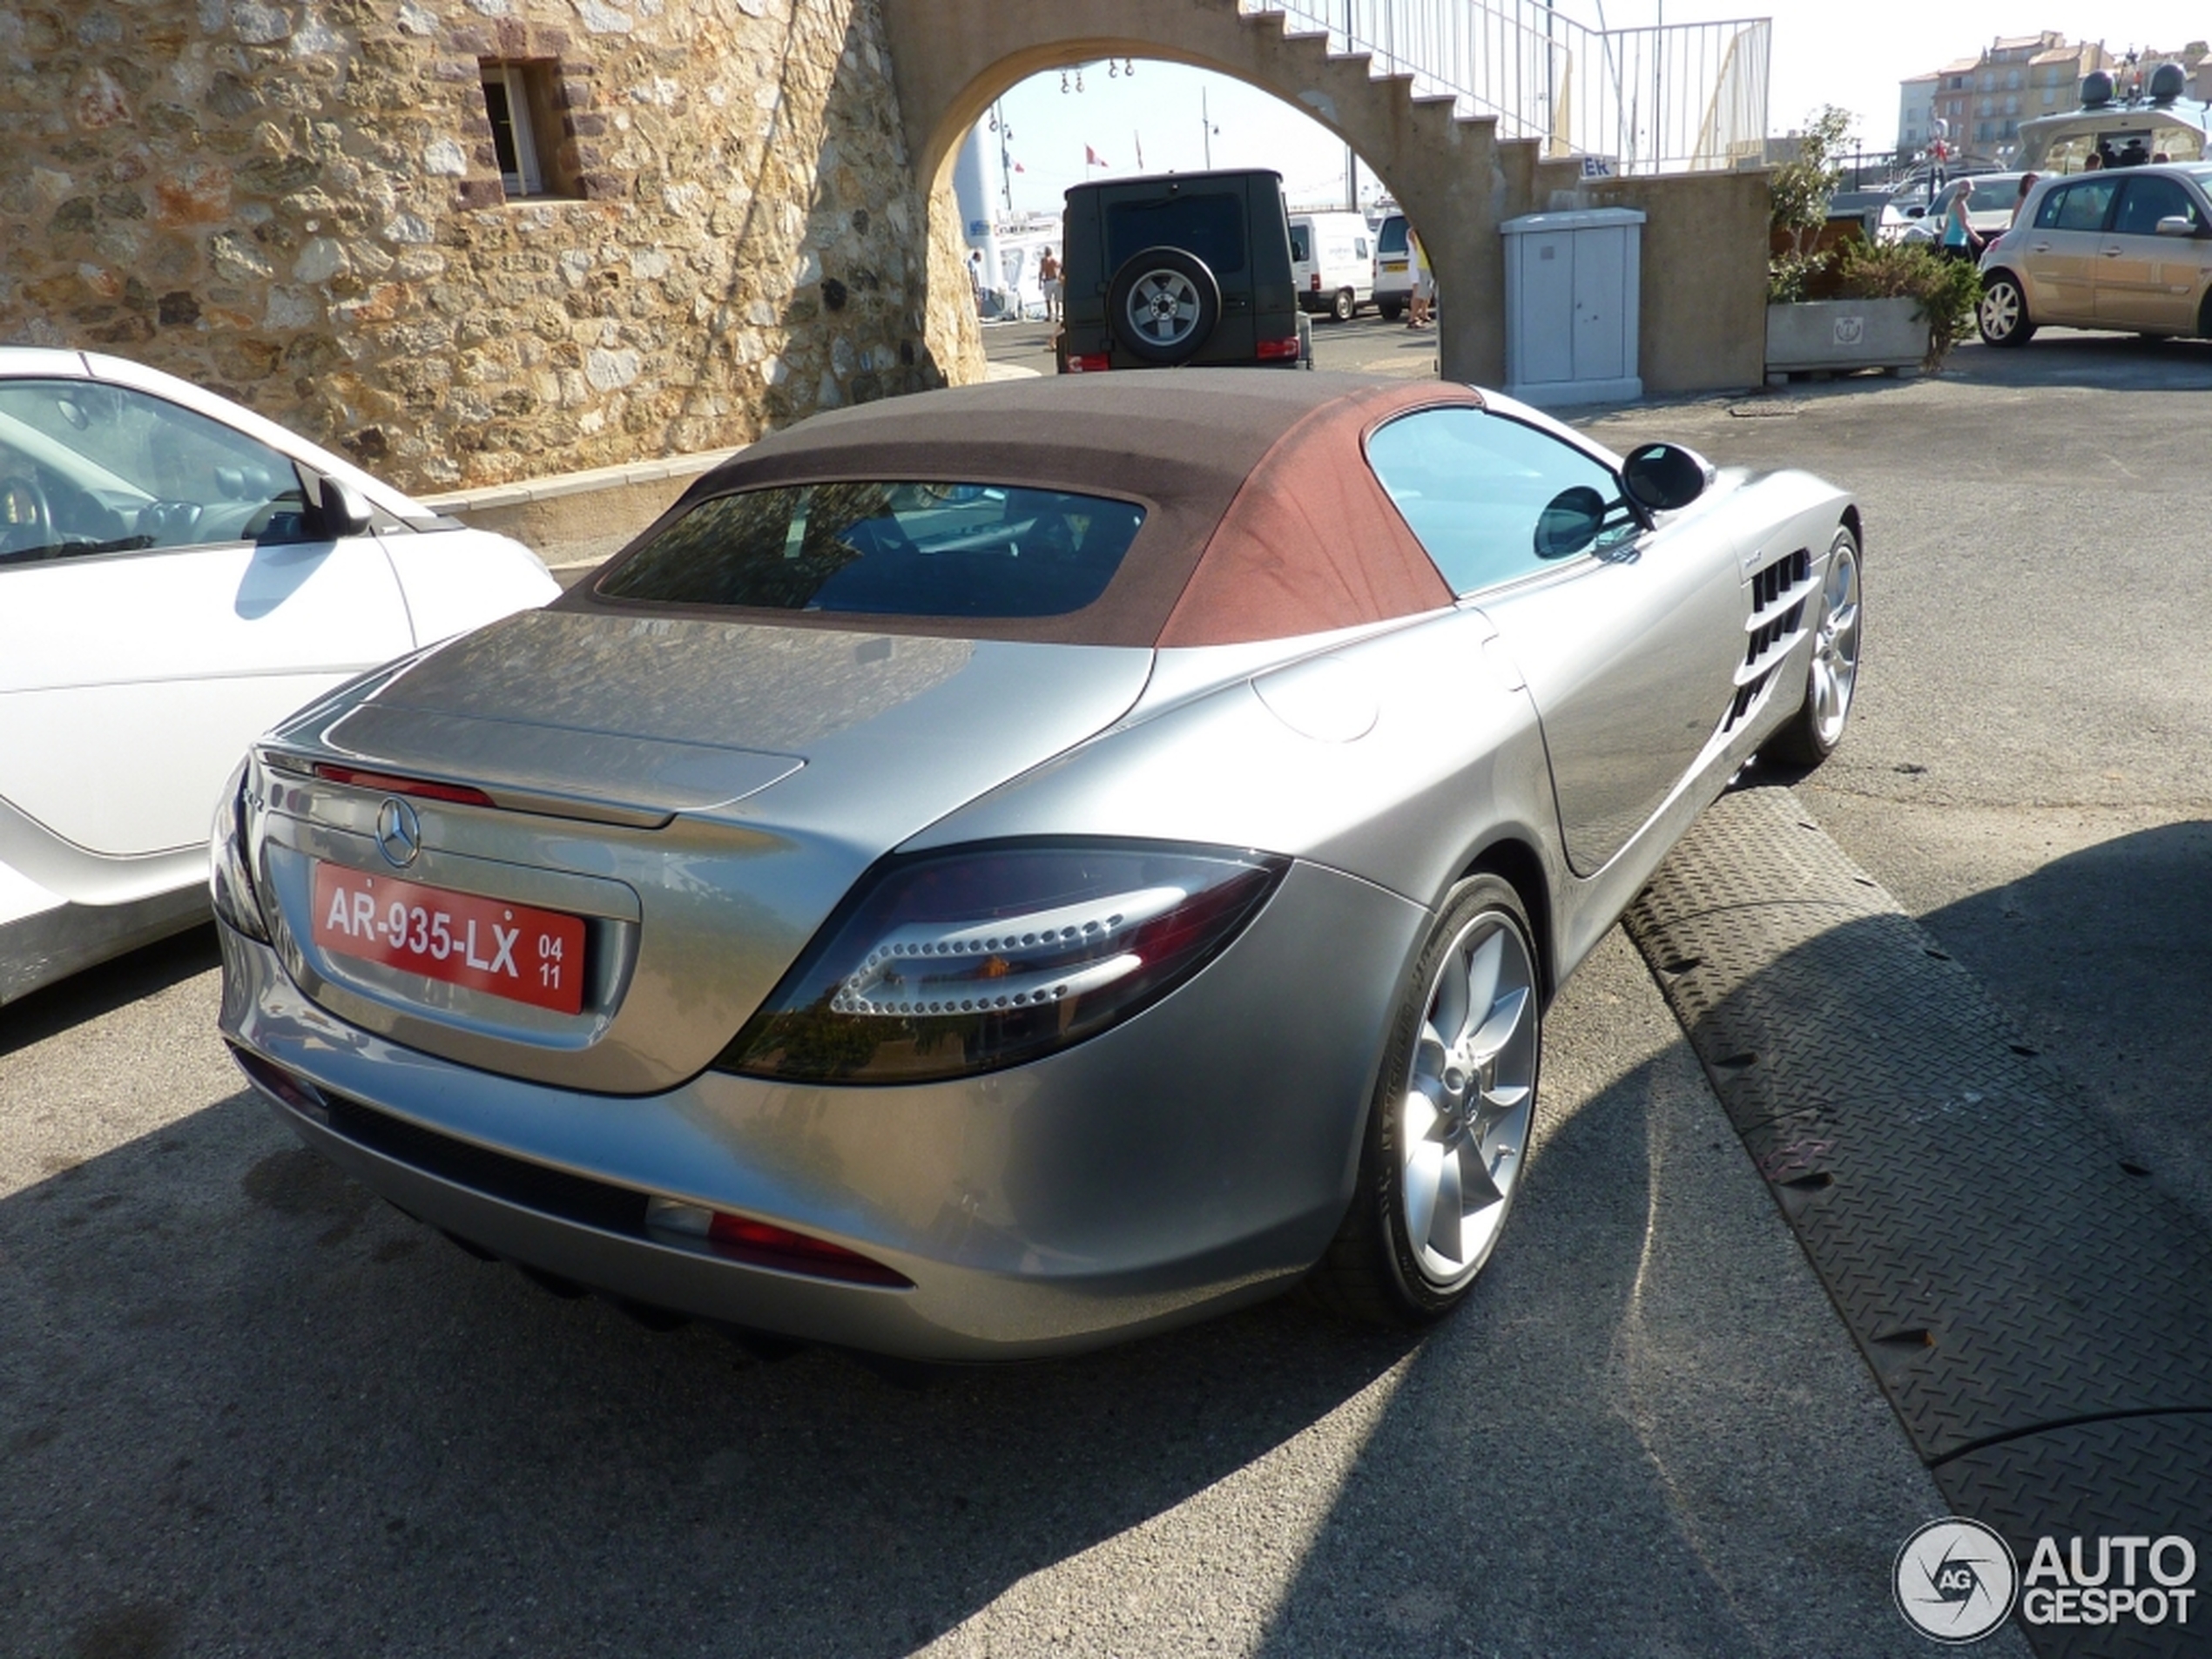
point(2109, 252)
point(2041, 247)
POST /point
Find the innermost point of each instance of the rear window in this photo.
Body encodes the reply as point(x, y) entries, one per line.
point(1392, 239)
point(1301, 240)
point(902, 549)
point(1210, 225)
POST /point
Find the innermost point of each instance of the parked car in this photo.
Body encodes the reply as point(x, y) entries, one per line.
point(176, 574)
point(1989, 210)
point(1393, 276)
point(2128, 248)
point(1332, 263)
point(995, 870)
point(1182, 268)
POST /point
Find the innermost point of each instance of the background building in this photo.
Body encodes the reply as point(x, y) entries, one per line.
point(1916, 113)
point(2016, 79)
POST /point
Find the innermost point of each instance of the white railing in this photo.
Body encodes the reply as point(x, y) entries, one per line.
point(1678, 97)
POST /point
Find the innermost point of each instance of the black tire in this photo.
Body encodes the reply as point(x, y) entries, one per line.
point(1390, 310)
point(1345, 306)
point(1816, 729)
point(1375, 1269)
point(2002, 314)
point(1162, 305)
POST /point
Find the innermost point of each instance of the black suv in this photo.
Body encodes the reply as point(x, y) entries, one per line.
point(1191, 267)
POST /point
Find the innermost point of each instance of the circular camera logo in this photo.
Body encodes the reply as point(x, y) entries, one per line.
point(1955, 1581)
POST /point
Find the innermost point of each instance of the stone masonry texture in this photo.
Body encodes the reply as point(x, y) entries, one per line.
point(299, 206)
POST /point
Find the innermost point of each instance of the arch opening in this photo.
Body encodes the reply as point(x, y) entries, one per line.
point(1107, 120)
point(953, 60)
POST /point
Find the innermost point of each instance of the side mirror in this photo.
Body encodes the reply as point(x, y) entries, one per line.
point(2177, 225)
point(1569, 522)
point(1660, 477)
point(342, 511)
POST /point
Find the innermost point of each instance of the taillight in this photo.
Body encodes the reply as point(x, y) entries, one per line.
point(1314, 283)
point(1275, 350)
point(1090, 363)
point(761, 1244)
point(230, 875)
point(974, 960)
point(393, 783)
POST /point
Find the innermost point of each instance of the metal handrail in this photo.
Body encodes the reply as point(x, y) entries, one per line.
point(1661, 98)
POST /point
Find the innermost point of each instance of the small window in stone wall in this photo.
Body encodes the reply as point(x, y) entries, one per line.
point(521, 102)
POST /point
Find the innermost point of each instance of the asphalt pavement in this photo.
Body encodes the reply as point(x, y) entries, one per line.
point(245, 1409)
point(2029, 768)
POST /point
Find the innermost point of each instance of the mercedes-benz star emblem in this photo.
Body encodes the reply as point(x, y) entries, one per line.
point(399, 835)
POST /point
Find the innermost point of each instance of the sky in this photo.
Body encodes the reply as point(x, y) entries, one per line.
point(1824, 52)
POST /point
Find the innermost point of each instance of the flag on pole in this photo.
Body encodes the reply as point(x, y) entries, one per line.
point(1092, 159)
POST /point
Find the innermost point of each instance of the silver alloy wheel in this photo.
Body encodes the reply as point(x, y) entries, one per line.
point(2001, 311)
point(1835, 651)
point(1163, 306)
point(1469, 1100)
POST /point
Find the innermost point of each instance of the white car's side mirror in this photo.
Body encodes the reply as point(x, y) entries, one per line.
point(2177, 225)
point(343, 512)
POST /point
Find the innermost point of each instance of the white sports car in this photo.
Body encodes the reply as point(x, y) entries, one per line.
point(176, 575)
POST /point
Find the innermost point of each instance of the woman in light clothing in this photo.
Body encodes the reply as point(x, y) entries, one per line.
point(1959, 241)
point(1417, 312)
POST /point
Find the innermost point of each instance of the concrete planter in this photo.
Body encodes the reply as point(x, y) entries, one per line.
point(1845, 334)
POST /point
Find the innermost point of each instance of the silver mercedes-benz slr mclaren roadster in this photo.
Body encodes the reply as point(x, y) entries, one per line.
point(997, 871)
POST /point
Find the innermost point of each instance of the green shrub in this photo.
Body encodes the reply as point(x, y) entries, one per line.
point(1948, 290)
point(1797, 194)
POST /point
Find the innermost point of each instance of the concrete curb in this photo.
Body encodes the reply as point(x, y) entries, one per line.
point(494, 498)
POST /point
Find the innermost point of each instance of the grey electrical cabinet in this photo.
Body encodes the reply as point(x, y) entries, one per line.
point(1572, 285)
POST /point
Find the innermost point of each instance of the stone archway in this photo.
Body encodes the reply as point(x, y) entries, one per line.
point(951, 58)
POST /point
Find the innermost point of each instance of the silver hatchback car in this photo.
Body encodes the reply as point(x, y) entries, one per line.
point(1006, 868)
point(2121, 248)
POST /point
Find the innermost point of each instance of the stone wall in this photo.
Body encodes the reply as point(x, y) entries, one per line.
point(299, 206)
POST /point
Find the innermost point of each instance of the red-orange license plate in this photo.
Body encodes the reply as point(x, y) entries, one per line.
point(510, 950)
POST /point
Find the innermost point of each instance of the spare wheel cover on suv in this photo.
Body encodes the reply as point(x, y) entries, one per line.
point(1162, 305)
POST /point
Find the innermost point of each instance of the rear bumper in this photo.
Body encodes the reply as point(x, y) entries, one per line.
point(1196, 1155)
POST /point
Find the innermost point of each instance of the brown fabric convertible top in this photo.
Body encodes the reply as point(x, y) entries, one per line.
point(1262, 518)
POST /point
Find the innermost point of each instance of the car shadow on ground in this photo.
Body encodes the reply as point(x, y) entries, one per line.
point(1635, 1466)
point(2101, 955)
point(86, 997)
point(2072, 357)
point(245, 1406)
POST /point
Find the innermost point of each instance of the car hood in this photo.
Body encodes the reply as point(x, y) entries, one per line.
point(710, 791)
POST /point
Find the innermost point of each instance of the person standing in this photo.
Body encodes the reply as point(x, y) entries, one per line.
point(1417, 310)
point(1049, 283)
point(2027, 182)
point(1959, 241)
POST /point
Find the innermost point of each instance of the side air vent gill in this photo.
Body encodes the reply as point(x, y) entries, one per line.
point(1779, 591)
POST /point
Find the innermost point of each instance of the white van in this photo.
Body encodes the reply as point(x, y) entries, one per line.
point(1332, 263)
point(1392, 281)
